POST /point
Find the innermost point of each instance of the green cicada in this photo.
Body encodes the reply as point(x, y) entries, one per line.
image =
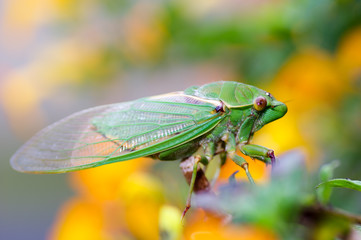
point(195, 124)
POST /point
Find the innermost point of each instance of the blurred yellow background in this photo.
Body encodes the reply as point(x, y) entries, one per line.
point(58, 57)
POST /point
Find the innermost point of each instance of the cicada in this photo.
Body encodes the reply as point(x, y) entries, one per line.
point(193, 125)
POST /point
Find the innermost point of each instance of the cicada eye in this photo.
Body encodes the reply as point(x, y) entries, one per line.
point(260, 103)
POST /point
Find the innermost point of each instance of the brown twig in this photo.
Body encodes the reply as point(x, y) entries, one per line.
point(343, 214)
point(318, 211)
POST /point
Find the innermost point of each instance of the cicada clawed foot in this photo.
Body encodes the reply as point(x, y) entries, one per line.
point(271, 155)
point(185, 211)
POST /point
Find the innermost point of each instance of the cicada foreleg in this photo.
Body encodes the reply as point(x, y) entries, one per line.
point(254, 151)
point(259, 152)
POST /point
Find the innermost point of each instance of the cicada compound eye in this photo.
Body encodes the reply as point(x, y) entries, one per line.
point(260, 103)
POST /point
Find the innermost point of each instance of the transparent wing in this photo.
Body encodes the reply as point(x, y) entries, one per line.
point(112, 131)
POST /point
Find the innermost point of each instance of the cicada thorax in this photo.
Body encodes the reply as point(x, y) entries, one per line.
point(233, 94)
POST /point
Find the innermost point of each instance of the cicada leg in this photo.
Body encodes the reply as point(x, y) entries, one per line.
point(195, 177)
point(259, 152)
point(231, 150)
point(240, 161)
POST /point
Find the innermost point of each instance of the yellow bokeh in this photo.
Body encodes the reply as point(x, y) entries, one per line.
point(308, 78)
point(66, 8)
point(23, 16)
point(206, 226)
point(117, 203)
point(141, 196)
point(79, 219)
point(21, 99)
point(70, 62)
point(66, 64)
point(144, 34)
point(349, 55)
point(169, 222)
point(102, 183)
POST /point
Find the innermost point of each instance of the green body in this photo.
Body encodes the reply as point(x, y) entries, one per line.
point(220, 115)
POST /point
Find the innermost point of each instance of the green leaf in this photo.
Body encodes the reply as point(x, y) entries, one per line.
point(326, 173)
point(342, 182)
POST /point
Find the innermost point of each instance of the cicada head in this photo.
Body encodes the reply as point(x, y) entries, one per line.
point(268, 109)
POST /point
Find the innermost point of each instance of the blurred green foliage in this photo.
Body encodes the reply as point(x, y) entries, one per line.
point(255, 42)
point(288, 204)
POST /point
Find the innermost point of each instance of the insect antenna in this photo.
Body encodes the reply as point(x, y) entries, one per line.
point(289, 100)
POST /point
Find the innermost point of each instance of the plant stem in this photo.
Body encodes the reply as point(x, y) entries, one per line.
point(314, 212)
point(341, 213)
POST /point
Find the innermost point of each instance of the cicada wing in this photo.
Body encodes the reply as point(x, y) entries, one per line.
point(90, 137)
point(70, 142)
